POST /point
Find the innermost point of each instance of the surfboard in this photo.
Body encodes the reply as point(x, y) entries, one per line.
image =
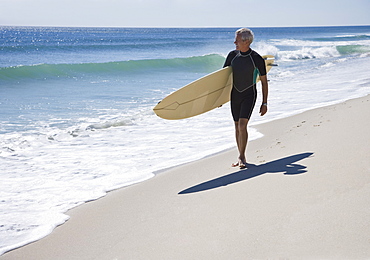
point(202, 95)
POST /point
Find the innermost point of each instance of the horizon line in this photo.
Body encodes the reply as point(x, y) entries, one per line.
point(180, 27)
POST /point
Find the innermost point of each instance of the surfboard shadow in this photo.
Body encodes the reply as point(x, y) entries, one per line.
point(285, 165)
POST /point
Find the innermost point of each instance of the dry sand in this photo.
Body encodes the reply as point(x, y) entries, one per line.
point(306, 197)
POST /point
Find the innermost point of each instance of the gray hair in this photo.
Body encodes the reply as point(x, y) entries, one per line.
point(247, 34)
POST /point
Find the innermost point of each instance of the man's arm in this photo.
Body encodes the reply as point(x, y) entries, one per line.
point(265, 89)
point(229, 58)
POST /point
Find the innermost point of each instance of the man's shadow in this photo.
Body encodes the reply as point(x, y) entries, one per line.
point(285, 165)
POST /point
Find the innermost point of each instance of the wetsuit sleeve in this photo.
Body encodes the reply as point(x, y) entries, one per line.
point(260, 64)
point(229, 58)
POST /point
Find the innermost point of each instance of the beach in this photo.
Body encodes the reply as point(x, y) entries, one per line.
point(77, 117)
point(305, 195)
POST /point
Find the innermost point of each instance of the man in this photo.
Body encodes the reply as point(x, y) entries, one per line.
point(247, 65)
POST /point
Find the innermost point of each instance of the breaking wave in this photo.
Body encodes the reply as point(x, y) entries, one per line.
point(43, 71)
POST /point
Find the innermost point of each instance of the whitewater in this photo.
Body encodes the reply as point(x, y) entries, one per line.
point(77, 117)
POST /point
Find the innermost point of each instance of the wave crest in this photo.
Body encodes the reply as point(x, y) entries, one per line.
point(43, 71)
point(353, 49)
point(308, 53)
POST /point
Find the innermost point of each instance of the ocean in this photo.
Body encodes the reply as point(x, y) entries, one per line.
point(76, 104)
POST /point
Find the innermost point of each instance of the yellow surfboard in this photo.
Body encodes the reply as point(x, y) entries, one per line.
point(202, 95)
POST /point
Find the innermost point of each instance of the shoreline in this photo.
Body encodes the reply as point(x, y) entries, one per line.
point(209, 209)
point(252, 125)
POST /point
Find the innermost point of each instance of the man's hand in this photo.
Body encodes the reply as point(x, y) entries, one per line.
point(263, 109)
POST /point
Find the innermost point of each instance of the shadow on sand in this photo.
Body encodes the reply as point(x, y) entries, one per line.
point(285, 165)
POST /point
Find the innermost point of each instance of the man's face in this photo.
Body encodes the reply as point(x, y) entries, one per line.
point(240, 44)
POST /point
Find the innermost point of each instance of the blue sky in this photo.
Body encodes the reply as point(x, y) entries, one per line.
point(184, 13)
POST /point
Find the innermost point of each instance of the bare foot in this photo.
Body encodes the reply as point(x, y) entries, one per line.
point(241, 163)
point(235, 164)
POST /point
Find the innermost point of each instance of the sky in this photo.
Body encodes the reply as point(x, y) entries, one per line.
point(184, 13)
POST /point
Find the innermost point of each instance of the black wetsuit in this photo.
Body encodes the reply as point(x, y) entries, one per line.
point(246, 67)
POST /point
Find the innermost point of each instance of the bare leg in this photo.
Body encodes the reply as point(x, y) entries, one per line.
point(241, 136)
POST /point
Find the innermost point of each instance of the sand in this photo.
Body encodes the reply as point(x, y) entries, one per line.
point(306, 196)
